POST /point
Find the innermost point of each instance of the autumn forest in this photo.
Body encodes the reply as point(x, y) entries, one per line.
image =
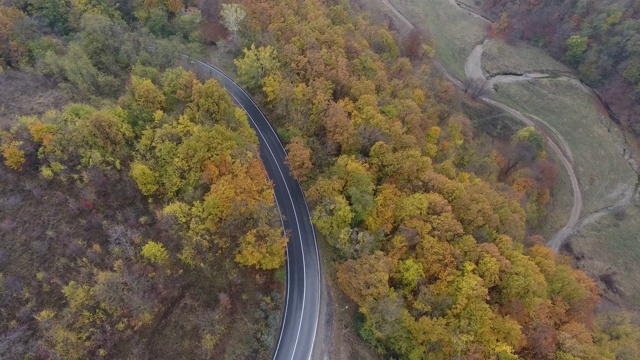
point(137, 220)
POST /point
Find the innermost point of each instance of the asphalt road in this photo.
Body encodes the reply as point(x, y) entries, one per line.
point(302, 305)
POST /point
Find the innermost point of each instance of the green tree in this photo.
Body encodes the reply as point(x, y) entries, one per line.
point(144, 177)
point(155, 253)
point(576, 47)
point(102, 41)
point(333, 219)
point(255, 65)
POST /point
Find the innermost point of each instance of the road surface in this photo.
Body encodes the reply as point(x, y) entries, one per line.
point(302, 304)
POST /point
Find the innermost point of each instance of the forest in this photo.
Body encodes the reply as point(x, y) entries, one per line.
point(137, 218)
point(598, 38)
point(157, 221)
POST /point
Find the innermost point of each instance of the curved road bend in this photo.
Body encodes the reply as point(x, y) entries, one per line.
point(302, 304)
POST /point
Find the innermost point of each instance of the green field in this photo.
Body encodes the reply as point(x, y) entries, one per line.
point(454, 31)
point(602, 171)
point(500, 57)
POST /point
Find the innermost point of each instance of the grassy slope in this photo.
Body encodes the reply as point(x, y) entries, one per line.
point(500, 57)
point(611, 245)
point(601, 169)
point(454, 31)
point(26, 94)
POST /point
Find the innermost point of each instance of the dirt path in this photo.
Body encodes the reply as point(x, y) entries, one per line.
point(473, 70)
point(473, 65)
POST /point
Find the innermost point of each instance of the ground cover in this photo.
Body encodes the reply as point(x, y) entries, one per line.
point(608, 250)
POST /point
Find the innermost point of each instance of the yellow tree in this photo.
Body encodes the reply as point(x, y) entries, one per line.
point(262, 248)
point(146, 94)
point(366, 280)
point(144, 177)
point(255, 65)
point(210, 103)
point(13, 156)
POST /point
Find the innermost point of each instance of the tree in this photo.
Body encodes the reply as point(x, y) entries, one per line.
point(177, 85)
point(210, 103)
point(358, 185)
point(576, 47)
point(155, 253)
point(502, 24)
point(413, 44)
point(255, 65)
point(146, 94)
point(11, 51)
point(262, 248)
point(333, 219)
point(144, 177)
point(13, 156)
point(232, 15)
point(56, 14)
point(102, 42)
point(409, 272)
point(366, 280)
point(188, 24)
point(299, 159)
point(341, 133)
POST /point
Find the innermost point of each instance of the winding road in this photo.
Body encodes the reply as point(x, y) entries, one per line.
point(302, 304)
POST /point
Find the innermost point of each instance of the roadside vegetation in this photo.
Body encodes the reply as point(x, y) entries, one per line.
point(136, 218)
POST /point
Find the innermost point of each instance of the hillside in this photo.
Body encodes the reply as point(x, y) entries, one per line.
point(122, 232)
point(600, 39)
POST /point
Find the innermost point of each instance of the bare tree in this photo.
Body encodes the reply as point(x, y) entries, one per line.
point(475, 87)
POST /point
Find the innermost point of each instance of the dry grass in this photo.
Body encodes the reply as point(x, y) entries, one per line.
point(26, 94)
point(595, 145)
point(476, 5)
point(500, 57)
